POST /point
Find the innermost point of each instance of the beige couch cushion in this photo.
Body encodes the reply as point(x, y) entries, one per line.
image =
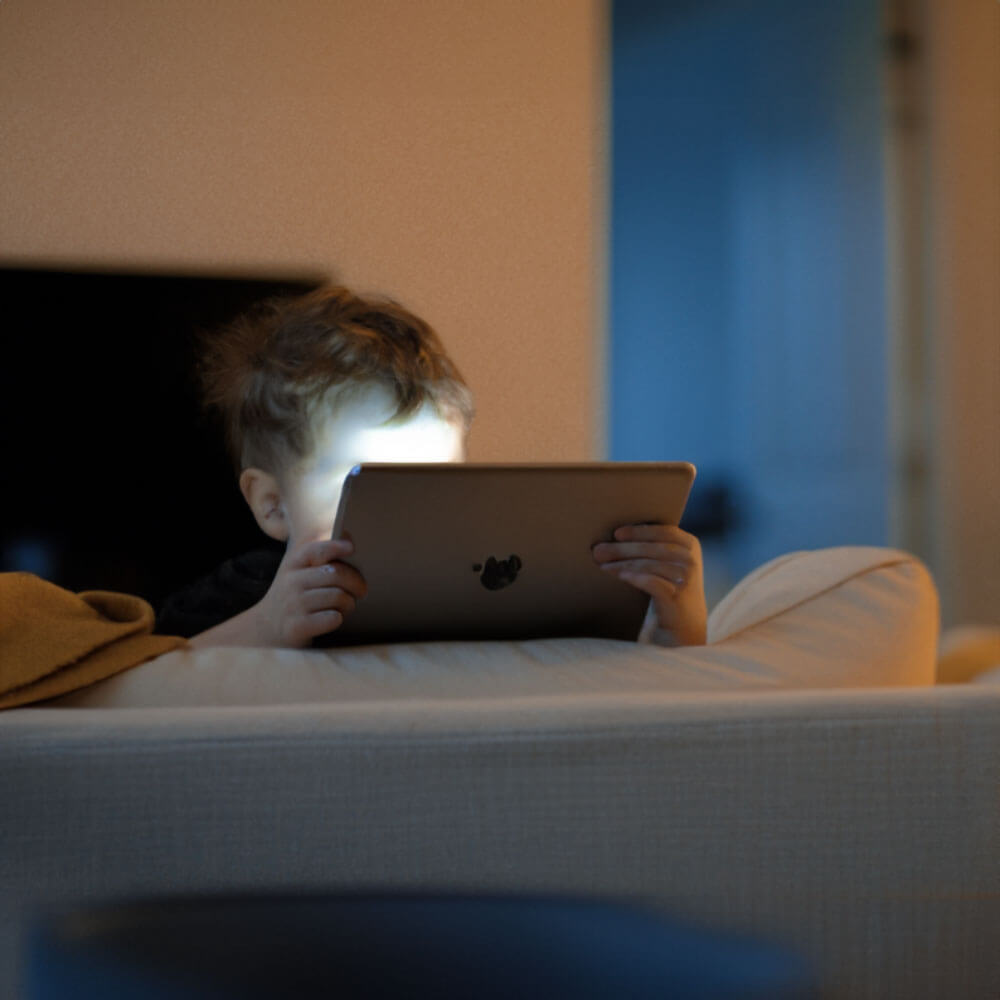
point(969, 654)
point(843, 617)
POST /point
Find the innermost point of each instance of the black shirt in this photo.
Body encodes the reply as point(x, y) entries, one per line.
point(235, 586)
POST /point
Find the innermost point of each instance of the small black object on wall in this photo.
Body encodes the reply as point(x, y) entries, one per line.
point(112, 477)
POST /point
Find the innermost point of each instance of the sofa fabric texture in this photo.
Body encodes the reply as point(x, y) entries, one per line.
point(800, 779)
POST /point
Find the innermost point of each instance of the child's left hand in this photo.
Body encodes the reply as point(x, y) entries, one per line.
point(665, 562)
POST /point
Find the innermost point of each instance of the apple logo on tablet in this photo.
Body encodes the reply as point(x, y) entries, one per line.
point(498, 573)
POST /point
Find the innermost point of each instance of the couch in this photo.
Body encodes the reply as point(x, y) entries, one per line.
point(801, 778)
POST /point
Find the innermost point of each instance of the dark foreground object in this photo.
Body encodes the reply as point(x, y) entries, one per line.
point(381, 946)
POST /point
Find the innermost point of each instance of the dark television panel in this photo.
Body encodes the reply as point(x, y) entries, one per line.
point(112, 476)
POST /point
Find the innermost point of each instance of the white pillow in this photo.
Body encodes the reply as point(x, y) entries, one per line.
point(848, 617)
point(854, 616)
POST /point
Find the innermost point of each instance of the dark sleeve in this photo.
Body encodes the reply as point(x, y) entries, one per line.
point(235, 586)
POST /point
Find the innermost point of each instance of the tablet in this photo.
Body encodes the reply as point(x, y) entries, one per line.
point(485, 551)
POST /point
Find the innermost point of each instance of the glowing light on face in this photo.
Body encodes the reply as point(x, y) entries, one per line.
point(362, 432)
point(423, 438)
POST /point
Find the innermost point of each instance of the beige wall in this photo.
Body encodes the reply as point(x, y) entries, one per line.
point(448, 153)
point(964, 267)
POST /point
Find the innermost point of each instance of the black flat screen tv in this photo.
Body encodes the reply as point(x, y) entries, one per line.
point(113, 478)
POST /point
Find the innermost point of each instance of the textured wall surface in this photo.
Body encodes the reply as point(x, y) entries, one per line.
point(446, 153)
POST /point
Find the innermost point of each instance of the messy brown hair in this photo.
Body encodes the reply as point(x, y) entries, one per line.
point(270, 371)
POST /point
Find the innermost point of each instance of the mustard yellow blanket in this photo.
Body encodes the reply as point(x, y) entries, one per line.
point(53, 641)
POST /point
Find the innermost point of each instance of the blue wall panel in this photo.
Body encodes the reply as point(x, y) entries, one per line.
point(747, 312)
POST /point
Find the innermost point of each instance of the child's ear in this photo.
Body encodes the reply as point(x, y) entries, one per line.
point(263, 496)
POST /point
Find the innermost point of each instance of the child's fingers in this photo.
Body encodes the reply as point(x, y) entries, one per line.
point(655, 533)
point(331, 599)
point(332, 575)
point(649, 583)
point(677, 575)
point(318, 553)
point(308, 626)
point(326, 620)
point(321, 611)
point(605, 552)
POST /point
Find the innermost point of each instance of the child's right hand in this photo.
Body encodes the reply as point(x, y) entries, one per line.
point(311, 594)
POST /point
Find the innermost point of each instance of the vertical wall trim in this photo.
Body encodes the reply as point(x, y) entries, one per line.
point(906, 154)
point(963, 39)
point(601, 232)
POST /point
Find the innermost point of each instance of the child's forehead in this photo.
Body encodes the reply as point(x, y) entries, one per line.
point(362, 426)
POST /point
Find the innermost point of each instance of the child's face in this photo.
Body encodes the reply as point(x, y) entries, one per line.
point(359, 432)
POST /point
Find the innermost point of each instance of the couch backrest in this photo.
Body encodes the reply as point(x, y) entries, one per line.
point(855, 826)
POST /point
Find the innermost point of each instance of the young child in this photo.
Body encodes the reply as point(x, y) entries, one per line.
point(309, 387)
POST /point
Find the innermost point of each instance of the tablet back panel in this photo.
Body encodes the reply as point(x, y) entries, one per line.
point(476, 551)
